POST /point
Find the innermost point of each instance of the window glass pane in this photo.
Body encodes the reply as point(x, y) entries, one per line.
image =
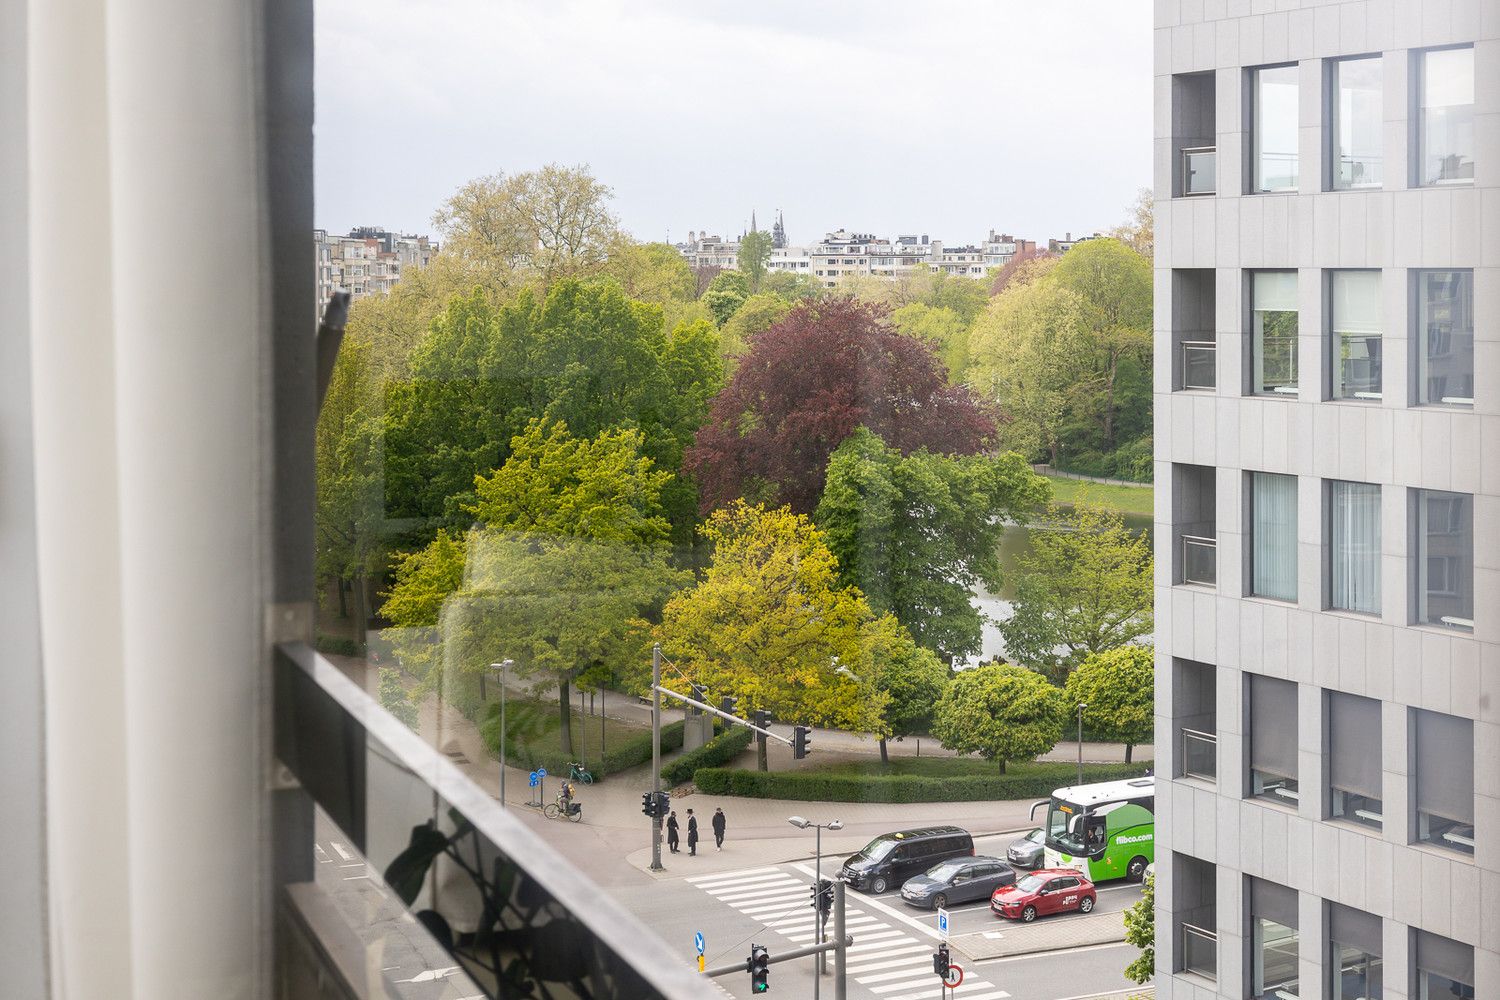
point(1357, 975)
point(1444, 780)
point(1354, 546)
point(1274, 960)
point(1445, 559)
point(1273, 536)
point(1273, 740)
point(1445, 338)
point(1358, 123)
point(1354, 317)
point(1446, 117)
point(1275, 127)
point(1273, 332)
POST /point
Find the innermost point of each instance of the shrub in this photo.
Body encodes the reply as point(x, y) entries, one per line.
point(805, 786)
point(336, 644)
point(720, 750)
point(626, 754)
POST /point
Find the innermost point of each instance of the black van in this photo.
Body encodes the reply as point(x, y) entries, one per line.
point(892, 858)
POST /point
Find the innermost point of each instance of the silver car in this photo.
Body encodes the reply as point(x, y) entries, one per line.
point(1026, 852)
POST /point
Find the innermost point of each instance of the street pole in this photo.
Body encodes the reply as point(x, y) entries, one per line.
point(582, 739)
point(818, 911)
point(504, 667)
point(656, 865)
point(841, 953)
point(1081, 706)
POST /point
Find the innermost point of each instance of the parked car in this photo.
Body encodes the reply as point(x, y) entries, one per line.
point(1044, 892)
point(892, 858)
point(960, 880)
point(1027, 852)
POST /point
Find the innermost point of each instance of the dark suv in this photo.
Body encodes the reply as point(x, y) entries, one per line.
point(892, 858)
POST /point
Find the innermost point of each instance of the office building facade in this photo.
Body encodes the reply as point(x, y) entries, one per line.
point(1327, 381)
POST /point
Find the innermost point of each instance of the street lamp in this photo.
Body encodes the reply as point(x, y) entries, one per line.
point(503, 669)
point(1081, 706)
point(802, 824)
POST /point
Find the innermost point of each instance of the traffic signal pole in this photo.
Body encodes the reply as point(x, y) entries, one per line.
point(841, 945)
point(656, 865)
point(738, 968)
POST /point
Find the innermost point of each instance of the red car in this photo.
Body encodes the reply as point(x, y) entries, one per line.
point(1042, 892)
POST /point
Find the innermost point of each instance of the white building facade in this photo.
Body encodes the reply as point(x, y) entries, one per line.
point(365, 262)
point(1327, 388)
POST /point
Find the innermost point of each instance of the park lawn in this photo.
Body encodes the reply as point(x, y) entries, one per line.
point(1125, 499)
point(532, 729)
point(942, 767)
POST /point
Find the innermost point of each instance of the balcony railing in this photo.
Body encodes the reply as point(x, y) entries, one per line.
point(1198, 163)
point(1200, 952)
point(1200, 560)
point(1198, 369)
point(1200, 753)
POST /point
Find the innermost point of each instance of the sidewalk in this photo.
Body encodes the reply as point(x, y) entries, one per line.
point(1029, 939)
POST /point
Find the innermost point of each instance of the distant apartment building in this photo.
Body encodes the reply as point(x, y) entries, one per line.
point(1327, 395)
point(703, 250)
point(367, 261)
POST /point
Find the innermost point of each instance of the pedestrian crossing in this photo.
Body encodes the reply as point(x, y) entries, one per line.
point(890, 960)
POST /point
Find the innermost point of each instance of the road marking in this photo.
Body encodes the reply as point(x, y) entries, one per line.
point(696, 879)
point(738, 883)
point(339, 849)
point(884, 963)
point(790, 890)
point(880, 907)
point(910, 982)
point(887, 977)
point(321, 854)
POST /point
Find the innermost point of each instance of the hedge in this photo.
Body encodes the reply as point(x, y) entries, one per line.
point(625, 755)
point(337, 644)
point(813, 787)
point(720, 750)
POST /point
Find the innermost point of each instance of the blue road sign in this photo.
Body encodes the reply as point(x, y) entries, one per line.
point(698, 941)
point(541, 772)
point(942, 916)
point(534, 777)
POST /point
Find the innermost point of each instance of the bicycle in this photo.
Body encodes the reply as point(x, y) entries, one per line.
point(554, 810)
point(576, 772)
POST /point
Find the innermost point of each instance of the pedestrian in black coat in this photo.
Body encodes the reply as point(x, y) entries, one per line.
point(692, 834)
point(718, 822)
point(672, 832)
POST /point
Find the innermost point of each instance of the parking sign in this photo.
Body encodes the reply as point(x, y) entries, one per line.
point(943, 923)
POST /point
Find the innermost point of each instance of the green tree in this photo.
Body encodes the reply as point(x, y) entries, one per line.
point(913, 678)
point(1003, 713)
point(1140, 930)
point(1118, 685)
point(758, 313)
point(753, 256)
point(769, 624)
point(792, 287)
point(917, 533)
point(652, 272)
point(393, 697)
point(1085, 588)
point(939, 326)
point(423, 581)
point(726, 293)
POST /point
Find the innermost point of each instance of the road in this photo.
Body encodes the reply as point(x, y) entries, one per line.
point(893, 943)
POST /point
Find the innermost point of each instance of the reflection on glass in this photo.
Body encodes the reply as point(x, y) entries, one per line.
point(1445, 117)
point(1198, 170)
point(1434, 986)
point(1445, 338)
point(1354, 318)
point(1354, 546)
point(1274, 100)
point(1198, 359)
point(1357, 974)
point(1199, 951)
point(1273, 332)
point(1200, 754)
point(1445, 559)
point(1358, 123)
point(1357, 808)
point(1274, 959)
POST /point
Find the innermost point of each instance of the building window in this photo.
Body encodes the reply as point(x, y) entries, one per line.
point(1354, 547)
point(1354, 954)
point(1354, 333)
point(1273, 739)
point(1444, 563)
point(1444, 968)
point(1445, 116)
point(1273, 536)
point(1444, 338)
point(1444, 777)
point(1354, 774)
point(1357, 116)
point(1273, 940)
point(1273, 100)
point(1273, 332)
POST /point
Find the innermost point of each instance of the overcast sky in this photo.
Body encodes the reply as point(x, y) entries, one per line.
point(943, 117)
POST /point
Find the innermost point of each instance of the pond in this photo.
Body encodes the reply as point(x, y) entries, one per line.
point(1014, 545)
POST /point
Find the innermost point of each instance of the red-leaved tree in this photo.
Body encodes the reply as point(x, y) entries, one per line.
point(805, 384)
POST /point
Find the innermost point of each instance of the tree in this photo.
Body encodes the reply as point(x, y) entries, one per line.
point(726, 293)
point(1003, 713)
point(1119, 687)
point(758, 313)
point(753, 256)
point(806, 383)
point(917, 533)
point(792, 287)
point(769, 624)
point(939, 326)
point(1085, 588)
point(423, 581)
point(393, 697)
point(549, 224)
point(1137, 231)
point(1140, 930)
point(912, 678)
point(652, 272)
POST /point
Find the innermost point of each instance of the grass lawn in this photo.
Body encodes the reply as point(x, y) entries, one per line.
point(1126, 499)
point(532, 729)
point(940, 767)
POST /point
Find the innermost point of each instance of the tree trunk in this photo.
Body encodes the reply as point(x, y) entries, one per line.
point(565, 734)
point(1129, 749)
point(1002, 765)
point(885, 757)
point(1109, 407)
point(361, 614)
point(340, 583)
point(760, 753)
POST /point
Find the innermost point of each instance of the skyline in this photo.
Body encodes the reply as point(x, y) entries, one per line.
point(728, 115)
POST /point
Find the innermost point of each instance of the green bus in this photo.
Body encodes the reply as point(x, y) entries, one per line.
point(1105, 830)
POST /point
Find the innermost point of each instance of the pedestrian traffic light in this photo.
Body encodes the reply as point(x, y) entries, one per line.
point(648, 804)
point(727, 703)
point(760, 969)
point(940, 960)
point(662, 801)
point(822, 897)
point(801, 737)
point(762, 718)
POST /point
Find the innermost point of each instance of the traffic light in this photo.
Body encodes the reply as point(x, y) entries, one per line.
point(940, 960)
point(762, 718)
point(801, 737)
point(727, 703)
point(662, 800)
point(822, 897)
point(648, 804)
point(760, 969)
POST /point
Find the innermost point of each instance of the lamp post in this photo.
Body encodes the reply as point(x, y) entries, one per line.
point(803, 824)
point(503, 669)
point(1081, 706)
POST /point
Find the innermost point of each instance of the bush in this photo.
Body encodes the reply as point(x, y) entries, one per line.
point(631, 752)
point(810, 787)
point(720, 750)
point(336, 644)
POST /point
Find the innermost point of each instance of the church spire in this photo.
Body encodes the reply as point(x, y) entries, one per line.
point(778, 232)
